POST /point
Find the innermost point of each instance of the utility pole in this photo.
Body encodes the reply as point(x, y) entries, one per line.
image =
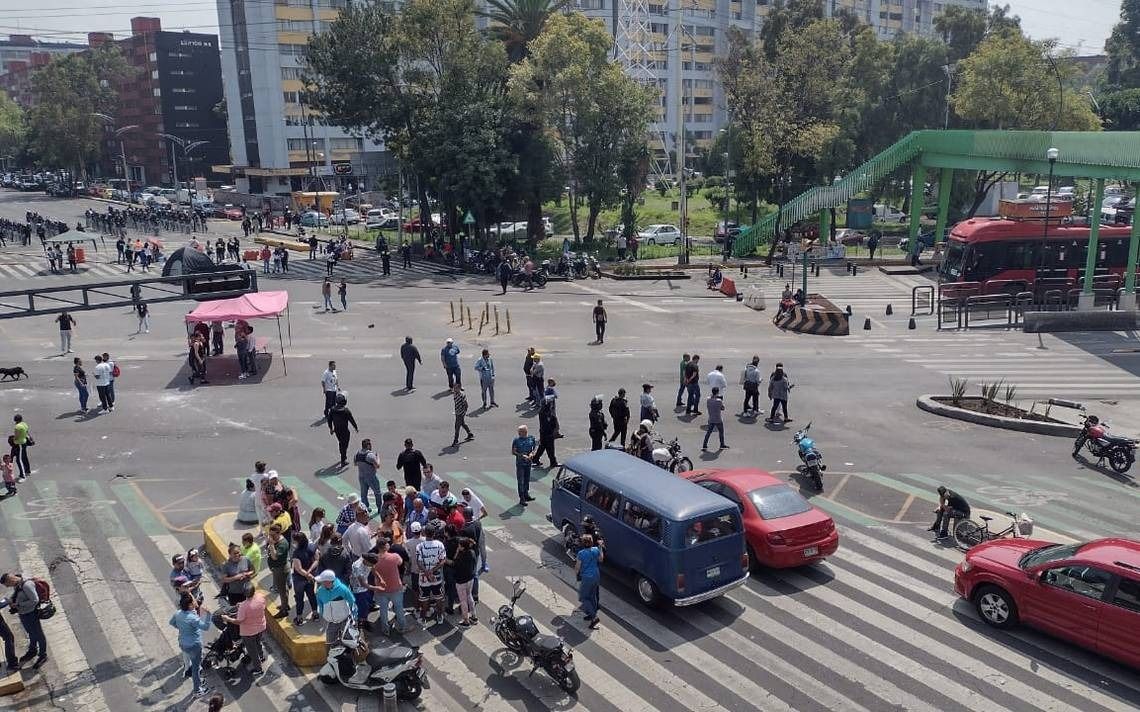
point(683, 255)
point(949, 69)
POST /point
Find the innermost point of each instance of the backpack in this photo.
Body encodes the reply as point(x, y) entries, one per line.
point(43, 589)
point(115, 372)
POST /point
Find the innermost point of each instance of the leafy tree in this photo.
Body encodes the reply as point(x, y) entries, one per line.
point(1123, 48)
point(964, 29)
point(593, 112)
point(1012, 82)
point(519, 22)
point(1120, 110)
point(13, 129)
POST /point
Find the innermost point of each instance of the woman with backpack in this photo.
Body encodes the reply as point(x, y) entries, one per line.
point(27, 594)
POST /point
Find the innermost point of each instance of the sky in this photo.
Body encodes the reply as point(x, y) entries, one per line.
point(1082, 27)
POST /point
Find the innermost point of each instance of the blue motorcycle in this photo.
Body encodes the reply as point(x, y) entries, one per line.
point(811, 458)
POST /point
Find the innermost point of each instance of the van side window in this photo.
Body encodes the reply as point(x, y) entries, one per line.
point(1082, 580)
point(709, 528)
point(570, 481)
point(602, 498)
point(1128, 595)
point(642, 519)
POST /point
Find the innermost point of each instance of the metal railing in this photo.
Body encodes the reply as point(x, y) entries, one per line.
point(922, 294)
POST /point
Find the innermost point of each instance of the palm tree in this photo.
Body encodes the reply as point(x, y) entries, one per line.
point(517, 22)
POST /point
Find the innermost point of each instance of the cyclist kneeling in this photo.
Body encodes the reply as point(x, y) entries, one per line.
point(951, 505)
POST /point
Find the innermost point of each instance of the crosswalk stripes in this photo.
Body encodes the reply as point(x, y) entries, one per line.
point(362, 268)
point(876, 627)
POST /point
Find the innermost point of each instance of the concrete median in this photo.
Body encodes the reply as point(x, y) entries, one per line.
point(304, 649)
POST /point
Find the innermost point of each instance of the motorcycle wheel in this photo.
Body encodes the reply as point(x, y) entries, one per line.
point(568, 680)
point(540, 280)
point(1119, 461)
point(968, 534)
point(681, 464)
point(409, 687)
point(816, 480)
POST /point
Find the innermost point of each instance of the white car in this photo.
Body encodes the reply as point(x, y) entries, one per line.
point(381, 223)
point(887, 213)
point(348, 216)
point(660, 235)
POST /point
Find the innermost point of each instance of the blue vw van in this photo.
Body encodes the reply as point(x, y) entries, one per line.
point(681, 543)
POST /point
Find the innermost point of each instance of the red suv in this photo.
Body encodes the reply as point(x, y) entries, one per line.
point(1087, 593)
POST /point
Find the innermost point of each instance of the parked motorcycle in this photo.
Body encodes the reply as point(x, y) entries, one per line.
point(397, 664)
point(520, 635)
point(669, 457)
point(810, 457)
point(1120, 452)
point(518, 279)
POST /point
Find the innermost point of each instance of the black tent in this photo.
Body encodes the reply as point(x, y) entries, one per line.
point(187, 260)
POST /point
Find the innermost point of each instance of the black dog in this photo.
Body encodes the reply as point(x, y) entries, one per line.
point(12, 373)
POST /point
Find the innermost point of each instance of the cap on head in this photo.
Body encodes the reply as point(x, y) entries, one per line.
point(353, 498)
point(450, 340)
point(417, 527)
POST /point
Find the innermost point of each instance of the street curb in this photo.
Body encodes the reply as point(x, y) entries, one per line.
point(11, 684)
point(293, 245)
point(645, 277)
point(1064, 430)
point(303, 649)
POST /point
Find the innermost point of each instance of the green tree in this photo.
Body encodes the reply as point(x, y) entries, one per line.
point(68, 91)
point(964, 29)
point(1123, 48)
point(1012, 82)
point(595, 114)
point(1120, 110)
point(516, 23)
point(13, 129)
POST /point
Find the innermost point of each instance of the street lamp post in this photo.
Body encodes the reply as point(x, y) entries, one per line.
point(1052, 155)
point(122, 150)
point(186, 146)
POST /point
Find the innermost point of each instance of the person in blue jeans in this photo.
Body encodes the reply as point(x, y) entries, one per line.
point(715, 407)
point(81, 383)
point(589, 578)
point(693, 386)
point(191, 619)
point(523, 448)
point(449, 356)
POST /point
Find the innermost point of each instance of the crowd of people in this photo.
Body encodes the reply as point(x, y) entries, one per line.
point(151, 219)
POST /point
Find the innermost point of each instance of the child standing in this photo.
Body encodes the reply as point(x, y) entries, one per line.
point(9, 478)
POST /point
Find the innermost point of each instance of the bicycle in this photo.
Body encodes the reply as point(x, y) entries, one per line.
point(969, 534)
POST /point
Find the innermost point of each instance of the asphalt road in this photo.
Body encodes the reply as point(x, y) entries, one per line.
point(877, 627)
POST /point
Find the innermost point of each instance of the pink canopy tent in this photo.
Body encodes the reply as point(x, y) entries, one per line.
point(256, 305)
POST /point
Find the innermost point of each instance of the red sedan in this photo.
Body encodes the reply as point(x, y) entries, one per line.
point(1087, 593)
point(782, 528)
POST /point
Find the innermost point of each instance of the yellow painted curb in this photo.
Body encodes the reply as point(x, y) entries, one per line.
point(11, 684)
point(305, 650)
point(288, 244)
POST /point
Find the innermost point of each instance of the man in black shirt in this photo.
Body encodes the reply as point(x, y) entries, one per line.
point(600, 320)
point(412, 462)
point(410, 355)
point(951, 505)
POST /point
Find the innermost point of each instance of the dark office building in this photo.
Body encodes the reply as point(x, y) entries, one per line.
point(174, 89)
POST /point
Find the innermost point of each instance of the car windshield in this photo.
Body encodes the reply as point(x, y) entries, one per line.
point(1045, 554)
point(952, 263)
point(777, 501)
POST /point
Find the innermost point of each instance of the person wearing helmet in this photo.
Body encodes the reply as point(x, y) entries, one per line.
point(641, 444)
point(339, 418)
point(598, 423)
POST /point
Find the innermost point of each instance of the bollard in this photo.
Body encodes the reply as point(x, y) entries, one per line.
point(854, 269)
point(452, 305)
point(486, 311)
point(848, 310)
point(847, 267)
point(867, 324)
point(470, 321)
point(890, 310)
point(496, 320)
point(508, 321)
point(389, 697)
point(461, 310)
point(910, 324)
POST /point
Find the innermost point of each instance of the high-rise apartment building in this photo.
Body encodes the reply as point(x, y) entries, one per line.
point(278, 144)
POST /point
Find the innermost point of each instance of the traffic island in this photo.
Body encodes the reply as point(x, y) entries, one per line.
point(818, 316)
point(303, 648)
point(996, 414)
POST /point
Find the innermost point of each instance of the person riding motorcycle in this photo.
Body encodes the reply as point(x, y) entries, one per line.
point(641, 444)
point(951, 505)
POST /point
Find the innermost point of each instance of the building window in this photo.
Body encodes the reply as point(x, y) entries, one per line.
point(182, 90)
point(185, 107)
point(186, 125)
point(179, 55)
point(299, 144)
point(153, 56)
point(660, 28)
point(291, 50)
point(291, 97)
point(157, 91)
point(290, 73)
point(657, 9)
point(591, 4)
point(347, 144)
point(184, 72)
point(154, 74)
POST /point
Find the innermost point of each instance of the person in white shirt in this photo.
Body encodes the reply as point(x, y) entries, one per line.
point(110, 379)
point(258, 479)
point(716, 379)
point(472, 500)
point(431, 481)
point(102, 373)
point(330, 385)
point(358, 536)
point(439, 494)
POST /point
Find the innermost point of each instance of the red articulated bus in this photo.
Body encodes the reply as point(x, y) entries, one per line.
point(1011, 256)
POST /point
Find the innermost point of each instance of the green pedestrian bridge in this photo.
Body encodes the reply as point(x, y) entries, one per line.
point(1080, 154)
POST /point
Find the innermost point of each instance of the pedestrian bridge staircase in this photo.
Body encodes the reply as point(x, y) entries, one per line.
point(1088, 154)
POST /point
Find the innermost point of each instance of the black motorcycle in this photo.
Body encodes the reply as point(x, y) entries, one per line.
point(1120, 452)
point(518, 279)
point(520, 635)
